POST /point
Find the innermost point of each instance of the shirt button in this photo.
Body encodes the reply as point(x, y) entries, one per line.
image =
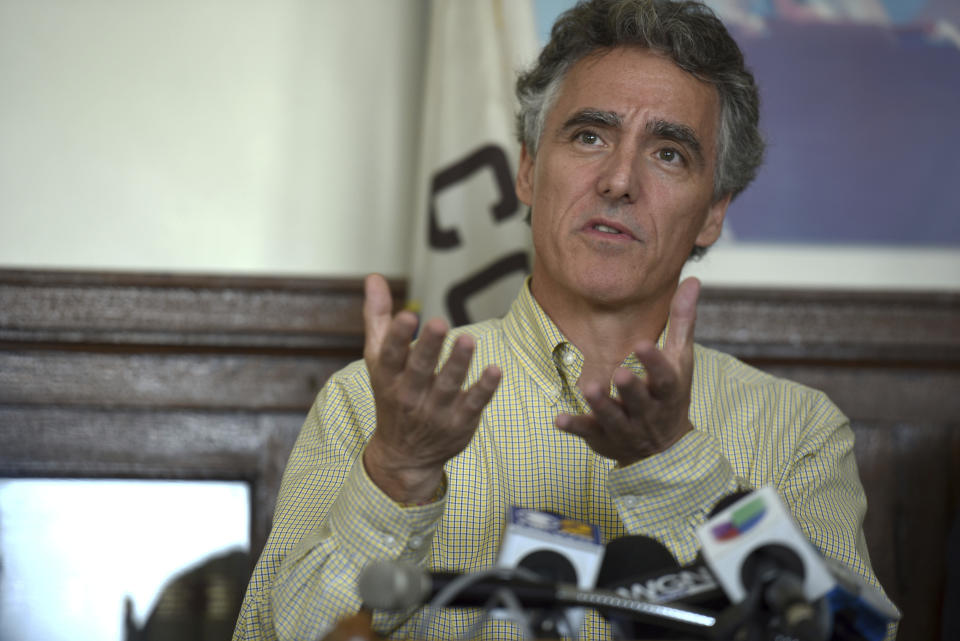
point(569, 357)
point(388, 539)
point(415, 542)
point(630, 501)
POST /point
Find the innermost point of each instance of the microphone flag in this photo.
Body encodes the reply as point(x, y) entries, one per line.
point(529, 531)
point(757, 520)
point(760, 524)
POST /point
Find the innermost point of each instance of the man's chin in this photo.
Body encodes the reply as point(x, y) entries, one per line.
point(610, 291)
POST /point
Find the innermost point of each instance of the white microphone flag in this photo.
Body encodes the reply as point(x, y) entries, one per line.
point(470, 241)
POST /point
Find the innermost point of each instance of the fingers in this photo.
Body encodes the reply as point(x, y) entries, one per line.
point(387, 338)
point(377, 313)
point(606, 413)
point(683, 316)
point(425, 353)
point(450, 380)
point(606, 410)
point(582, 425)
point(481, 392)
point(663, 375)
point(453, 372)
point(651, 413)
point(667, 369)
point(390, 357)
point(636, 397)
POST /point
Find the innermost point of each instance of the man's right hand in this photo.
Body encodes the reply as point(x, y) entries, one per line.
point(423, 418)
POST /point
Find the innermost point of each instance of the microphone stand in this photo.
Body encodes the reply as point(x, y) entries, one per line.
point(774, 608)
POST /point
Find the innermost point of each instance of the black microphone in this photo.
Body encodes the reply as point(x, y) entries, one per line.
point(631, 555)
point(395, 585)
point(642, 568)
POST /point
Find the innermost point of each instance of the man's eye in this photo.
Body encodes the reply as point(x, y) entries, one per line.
point(670, 155)
point(588, 138)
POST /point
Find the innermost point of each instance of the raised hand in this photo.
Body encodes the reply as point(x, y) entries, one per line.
point(652, 412)
point(423, 418)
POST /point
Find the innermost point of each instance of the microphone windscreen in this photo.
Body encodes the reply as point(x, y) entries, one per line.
point(550, 566)
point(632, 562)
point(642, 568)
point(630, 556)
point(393, 585)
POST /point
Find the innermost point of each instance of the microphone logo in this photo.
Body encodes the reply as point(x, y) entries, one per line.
point(742, 519)
point(552, 524)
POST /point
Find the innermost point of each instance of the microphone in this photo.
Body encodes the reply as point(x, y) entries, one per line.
point(769, 569)
point(557, 549)
point(398, 585)
point(640, 567)
point(529, 533)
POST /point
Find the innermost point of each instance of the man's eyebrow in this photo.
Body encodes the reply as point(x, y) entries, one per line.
point(596, 117)
point(678, 133)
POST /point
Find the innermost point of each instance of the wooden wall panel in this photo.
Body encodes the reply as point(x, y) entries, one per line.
point(165, 379)
point(182, 376)
point(167, 376)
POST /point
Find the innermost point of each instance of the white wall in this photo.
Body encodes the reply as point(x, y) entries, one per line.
point(208, 135)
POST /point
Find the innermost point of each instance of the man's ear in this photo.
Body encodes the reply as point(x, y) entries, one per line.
point(525, 176)
point(713, 223)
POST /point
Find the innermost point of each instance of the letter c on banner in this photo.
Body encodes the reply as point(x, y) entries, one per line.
point(459, 294)
point(488, 156)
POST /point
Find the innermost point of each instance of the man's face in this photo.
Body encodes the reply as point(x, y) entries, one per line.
point(622, 183)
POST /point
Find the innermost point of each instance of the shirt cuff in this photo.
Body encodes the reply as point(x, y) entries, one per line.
point(686, 479)
point(368, 523)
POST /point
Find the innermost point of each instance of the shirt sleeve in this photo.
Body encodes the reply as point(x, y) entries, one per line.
point(331, 520)
point(667, 495)
point(317, 582)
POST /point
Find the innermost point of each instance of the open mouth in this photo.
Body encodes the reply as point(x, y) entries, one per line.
point(609, 229)
point(606, 229)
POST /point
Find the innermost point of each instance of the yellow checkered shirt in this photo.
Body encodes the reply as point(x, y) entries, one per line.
point(752, 429)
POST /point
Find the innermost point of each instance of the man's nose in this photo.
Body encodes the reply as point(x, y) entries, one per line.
point(619, 176)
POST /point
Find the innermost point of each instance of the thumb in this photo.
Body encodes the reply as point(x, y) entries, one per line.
point(377, 310)
point(683, 316)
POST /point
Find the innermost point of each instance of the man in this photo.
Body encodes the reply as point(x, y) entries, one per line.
point(639, 126)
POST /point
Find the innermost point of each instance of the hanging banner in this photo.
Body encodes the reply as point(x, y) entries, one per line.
point(471, 245)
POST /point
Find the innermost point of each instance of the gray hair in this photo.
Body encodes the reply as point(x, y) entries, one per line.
point(690, 35)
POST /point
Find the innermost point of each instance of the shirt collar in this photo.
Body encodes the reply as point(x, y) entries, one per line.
point(535, 339)
point(543, 349)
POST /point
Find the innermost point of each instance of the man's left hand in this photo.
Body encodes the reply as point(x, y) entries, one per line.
point(652, 411)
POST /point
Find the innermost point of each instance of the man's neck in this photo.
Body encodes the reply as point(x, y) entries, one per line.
point(605, 335)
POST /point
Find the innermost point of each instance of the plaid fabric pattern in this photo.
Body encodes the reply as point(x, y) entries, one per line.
point(331, 520)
